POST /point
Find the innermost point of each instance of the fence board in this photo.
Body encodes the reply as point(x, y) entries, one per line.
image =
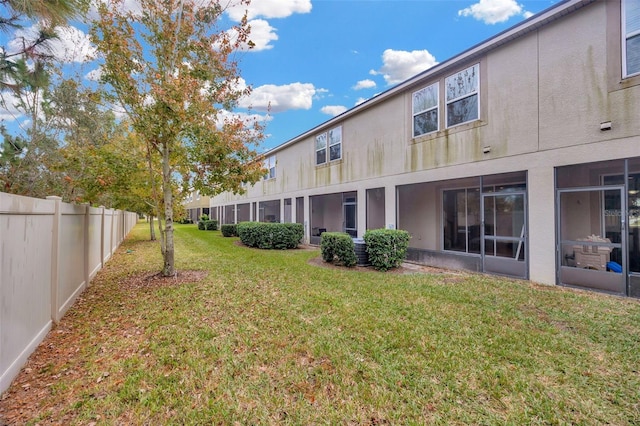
point(49, 251)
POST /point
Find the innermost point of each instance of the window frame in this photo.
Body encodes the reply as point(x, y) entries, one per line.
point(324, 142)
point(270, 165)
point(435, 108)
point(450, 101)
point(626, 36)
point(331, 143)
point(323, 149)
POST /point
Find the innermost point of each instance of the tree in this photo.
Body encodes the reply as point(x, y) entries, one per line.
point(24, 81)
point(25, 157)
point(171, 66)
point(48, 14)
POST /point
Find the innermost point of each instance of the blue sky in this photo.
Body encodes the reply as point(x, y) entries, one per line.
point(317, 58)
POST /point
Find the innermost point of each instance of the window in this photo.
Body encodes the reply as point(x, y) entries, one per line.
point(270, 165)
point(335, 144)
point(321, 148)
point(425, 110)
point(462, 96)
point(631, 37)
point(330, 141)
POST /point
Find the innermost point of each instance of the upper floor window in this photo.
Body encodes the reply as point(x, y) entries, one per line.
point(631, 37)
point(270, 165)
point(329, 145)
point(462, 96)
point(321, 148)
point(425, 110)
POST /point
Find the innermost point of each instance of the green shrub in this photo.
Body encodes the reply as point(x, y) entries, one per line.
point(210, 225)
point(270, 235)
point(338, 246)
point(229, 230)
point(387, 248)
point(204, 217)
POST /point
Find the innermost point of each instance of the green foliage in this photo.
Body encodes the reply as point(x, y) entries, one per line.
point(270, 235)
point(339, 247)
point(208, 225)
point(229, 230)
point(204, 217)
point(387, 248)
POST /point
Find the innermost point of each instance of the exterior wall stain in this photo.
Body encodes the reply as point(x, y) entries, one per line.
point(340, 171)
point(630, 110)
point(375, 159)
point(322, 176)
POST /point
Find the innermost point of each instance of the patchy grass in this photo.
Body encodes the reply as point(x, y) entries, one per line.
point(267, 338)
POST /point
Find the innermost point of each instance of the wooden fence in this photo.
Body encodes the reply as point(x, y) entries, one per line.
point(49, 252)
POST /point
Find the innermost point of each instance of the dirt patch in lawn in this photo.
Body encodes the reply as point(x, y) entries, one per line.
point(156, 280)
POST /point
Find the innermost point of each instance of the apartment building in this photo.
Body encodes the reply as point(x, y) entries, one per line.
point(520, 157)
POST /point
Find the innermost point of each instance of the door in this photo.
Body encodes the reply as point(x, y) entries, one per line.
point(592, 238)
point(504, 234)
point(350, 210)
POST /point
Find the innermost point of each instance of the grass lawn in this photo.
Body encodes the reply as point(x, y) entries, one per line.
point(267, 338)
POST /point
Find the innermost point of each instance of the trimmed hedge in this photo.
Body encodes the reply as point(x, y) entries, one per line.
point(270, 235)
point(208, 225)
point(387, 248)
point(339, 247)
point(229, 230)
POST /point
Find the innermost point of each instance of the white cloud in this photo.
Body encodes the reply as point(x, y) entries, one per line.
point(364, 84)
point(261, 35)
point(8, 107)
point(94, 75)
point(494, 11)
point(333, 110)
point(124, 6)
point(274, 98)
point(269, 9)
point(71, 45)
point(247, 119)
point(399, 65)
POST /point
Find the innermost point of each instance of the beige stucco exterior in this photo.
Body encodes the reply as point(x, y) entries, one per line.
point(546, 86)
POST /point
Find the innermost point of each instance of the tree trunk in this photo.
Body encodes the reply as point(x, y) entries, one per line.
point(152, 230)
point(168, 254)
